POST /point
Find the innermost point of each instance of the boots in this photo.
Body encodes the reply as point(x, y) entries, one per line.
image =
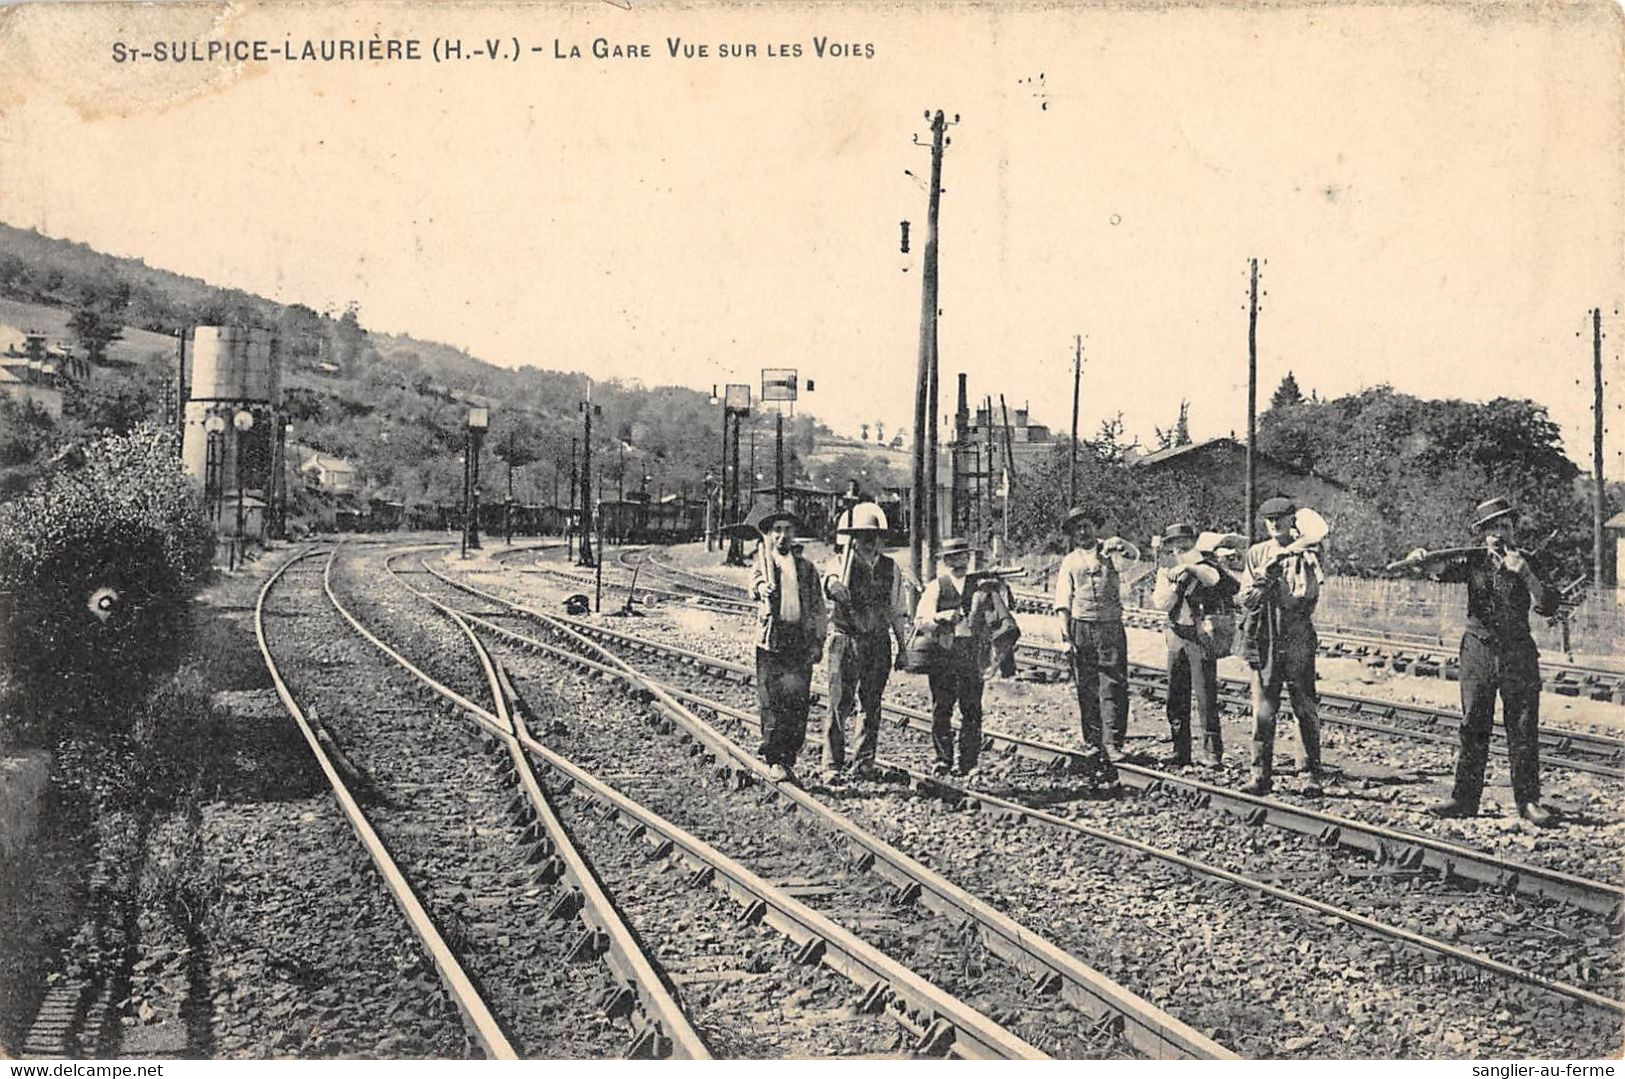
point(1263, 766)
point(1212, 749)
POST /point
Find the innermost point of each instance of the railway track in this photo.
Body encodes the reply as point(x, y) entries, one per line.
point(886, 994)
point(1491, 925)
point(1576, 750)
point(1012, 970)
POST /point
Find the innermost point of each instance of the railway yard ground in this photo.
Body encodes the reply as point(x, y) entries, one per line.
point(399, 804)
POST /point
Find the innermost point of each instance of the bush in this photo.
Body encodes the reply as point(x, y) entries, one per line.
point(97, 566)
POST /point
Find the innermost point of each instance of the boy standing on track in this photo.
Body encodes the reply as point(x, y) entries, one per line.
point(867, 605)
point(1279, 593)
point(1089, 606)
point(790, 643)
point(1498, 654)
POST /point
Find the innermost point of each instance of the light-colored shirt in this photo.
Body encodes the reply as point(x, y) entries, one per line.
point(789, 592)
point(1087, 587)
point(1300, 580)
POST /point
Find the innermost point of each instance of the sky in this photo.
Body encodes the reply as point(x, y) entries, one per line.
point(1434, 192)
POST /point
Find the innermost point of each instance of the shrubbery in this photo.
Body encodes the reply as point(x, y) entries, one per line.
point(97, 565)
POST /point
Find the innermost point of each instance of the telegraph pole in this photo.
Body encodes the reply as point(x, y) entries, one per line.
point(1077, 383)
point(778, 459)
point(922, 538)
point(1599, 500)
point(1252, 403)
point(587, 410)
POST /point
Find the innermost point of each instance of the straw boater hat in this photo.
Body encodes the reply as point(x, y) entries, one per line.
point(862, 519)
point(1492, 510)
point(769, 518)
point(956, 545)
point(1082, 513)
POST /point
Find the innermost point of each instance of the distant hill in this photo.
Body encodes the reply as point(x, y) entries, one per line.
point(396, 406)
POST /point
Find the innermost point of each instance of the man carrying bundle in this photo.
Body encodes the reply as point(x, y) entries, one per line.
point(868, 609)
point(791, 609)
point(1089, 607)
point(1188, 589)
point(1279, 593)
point(1498, 655)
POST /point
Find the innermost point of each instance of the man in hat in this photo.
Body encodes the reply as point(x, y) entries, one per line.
point(958, 679)
point(791, 609)
point(1279, 591)
point(1188, 586)
point(1498, 655)
point(867, 610)
point(1089, 607)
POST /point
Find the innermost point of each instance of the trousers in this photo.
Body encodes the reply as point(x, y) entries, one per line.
point(957, 681)
point(859, 668)
point(1511, 669)
point(1296, 670)
point(1100, 672)
point(1192, 670)
point(783, 693)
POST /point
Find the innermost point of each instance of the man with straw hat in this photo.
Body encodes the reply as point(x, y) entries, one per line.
point(791, 639)
point(957, 679)
point(1498, 655)
point(1089, 606)
point(868, 609)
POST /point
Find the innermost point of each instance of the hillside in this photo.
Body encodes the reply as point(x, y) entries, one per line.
point(395, 405)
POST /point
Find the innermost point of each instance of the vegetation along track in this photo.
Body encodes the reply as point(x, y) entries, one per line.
point(761, 1000)
point(1497, 917)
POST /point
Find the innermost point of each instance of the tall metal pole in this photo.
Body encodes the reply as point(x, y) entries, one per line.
point(921, 541)
point(1599, 502)
point(477, 437)
point(1251, 527)
point(468, 445)
point(736, 548)
point(586, 558)
point(575, 489)
point(1077, 383)
point(180, 394)
point(778, 460)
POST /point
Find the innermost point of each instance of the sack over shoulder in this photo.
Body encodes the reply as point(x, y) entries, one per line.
point(924, 651)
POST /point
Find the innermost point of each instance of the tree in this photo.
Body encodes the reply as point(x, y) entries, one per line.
point(1287, 393)
point(94, 332)
point(1179, 434)
point(865, 434)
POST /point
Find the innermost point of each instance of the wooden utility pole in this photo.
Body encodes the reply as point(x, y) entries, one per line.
point(988, 489)
point(1599, 499)
point(1251, 527)
point(587, 408)
point(922, 539)
point(1077, 383)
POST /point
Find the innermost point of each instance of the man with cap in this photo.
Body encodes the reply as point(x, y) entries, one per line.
point(1279, 591)
point(1498, 655)
point(1187, 588)
point(791, 640)
point(867, 604)
point(1089, 607)
point(958, 678)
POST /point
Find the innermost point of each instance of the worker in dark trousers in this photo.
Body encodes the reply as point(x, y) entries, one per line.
point(1088, 605)
point(789, 643)
point(868, 610)
point(1279, 592)
point(1498, 655)
point(956, 678)
point(1188, 584)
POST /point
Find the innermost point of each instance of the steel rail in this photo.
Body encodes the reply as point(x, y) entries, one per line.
point(1407, 849)
point(1022, 813)
point(949, 1023)
point(477, 1018)
point(669, 1032)
point(1148, 1028)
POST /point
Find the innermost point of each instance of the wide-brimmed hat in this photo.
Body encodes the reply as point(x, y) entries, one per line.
point(1279, 506)
point(1492, 509)
point(1082, 513)
point(763, 518)
point(1214, 542)
point(1177, 531)
point(863, 518)
point(956, 545)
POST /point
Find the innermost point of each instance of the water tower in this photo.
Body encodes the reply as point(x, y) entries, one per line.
point(231, 423)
